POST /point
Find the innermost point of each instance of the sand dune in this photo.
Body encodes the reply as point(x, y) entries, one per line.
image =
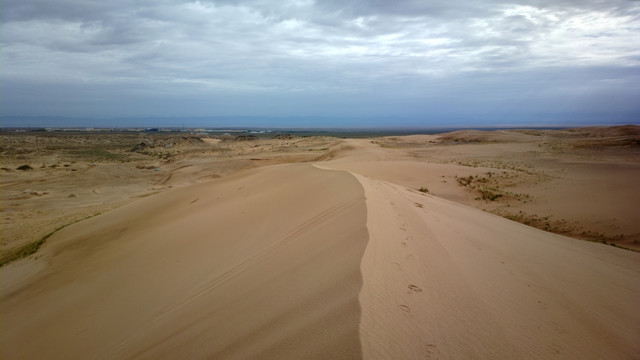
point(343, 259)
point(441, 280)
point(262, 265)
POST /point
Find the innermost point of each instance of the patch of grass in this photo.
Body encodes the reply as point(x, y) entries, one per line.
point(31, 248)
point(486, 193)
point(596, 236)
point(563, 227)
point(519, 167)
point(424, 190)
point(619, 246)
point(24, 250)
point(544, 223)
point(490, 187)
point(489, 194)
point(465, 181)
point(473, 163)
point(98, 155)
point(522, 197)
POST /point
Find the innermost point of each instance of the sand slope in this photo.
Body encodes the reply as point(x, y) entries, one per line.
point(445, 281)
point(260, 265)
point(296, 261)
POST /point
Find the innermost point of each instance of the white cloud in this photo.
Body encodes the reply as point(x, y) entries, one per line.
point(207, 48)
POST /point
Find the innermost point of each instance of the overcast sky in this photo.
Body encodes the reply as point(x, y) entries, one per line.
point(316, 63)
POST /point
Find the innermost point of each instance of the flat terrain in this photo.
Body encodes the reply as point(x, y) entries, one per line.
point(461, 245)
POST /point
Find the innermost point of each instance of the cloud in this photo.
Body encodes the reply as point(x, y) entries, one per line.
point(378, 56)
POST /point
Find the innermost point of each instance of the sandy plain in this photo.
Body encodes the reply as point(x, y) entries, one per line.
point(461, 245)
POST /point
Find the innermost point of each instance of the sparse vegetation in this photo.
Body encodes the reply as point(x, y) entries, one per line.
point(544, 223)
point(31, 248)
point(563, 227)
point(424, 189)
point(489, 194)
point(285, 137)
point(97, 155)
point(488, 187)
point(519, 167)
point(24, 251)
point(245, 138)
point(478, 183)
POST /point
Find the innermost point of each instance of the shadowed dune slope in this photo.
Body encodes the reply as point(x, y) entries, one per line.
point(263, 264)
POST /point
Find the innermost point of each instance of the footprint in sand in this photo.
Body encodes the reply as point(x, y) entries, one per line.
point(419, 205)
point(406, 311)
point(414, 289)
point(404, 244)
point(397, 266)
point(431, 350)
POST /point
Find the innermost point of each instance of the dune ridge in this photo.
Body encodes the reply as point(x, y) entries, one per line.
point(329, 260)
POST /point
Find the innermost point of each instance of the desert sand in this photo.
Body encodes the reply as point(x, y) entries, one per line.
point(488, 245)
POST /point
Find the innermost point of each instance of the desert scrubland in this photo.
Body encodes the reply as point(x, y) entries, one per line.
point(471, 244)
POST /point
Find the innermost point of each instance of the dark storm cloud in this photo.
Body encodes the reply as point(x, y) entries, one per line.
point(358, 58)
